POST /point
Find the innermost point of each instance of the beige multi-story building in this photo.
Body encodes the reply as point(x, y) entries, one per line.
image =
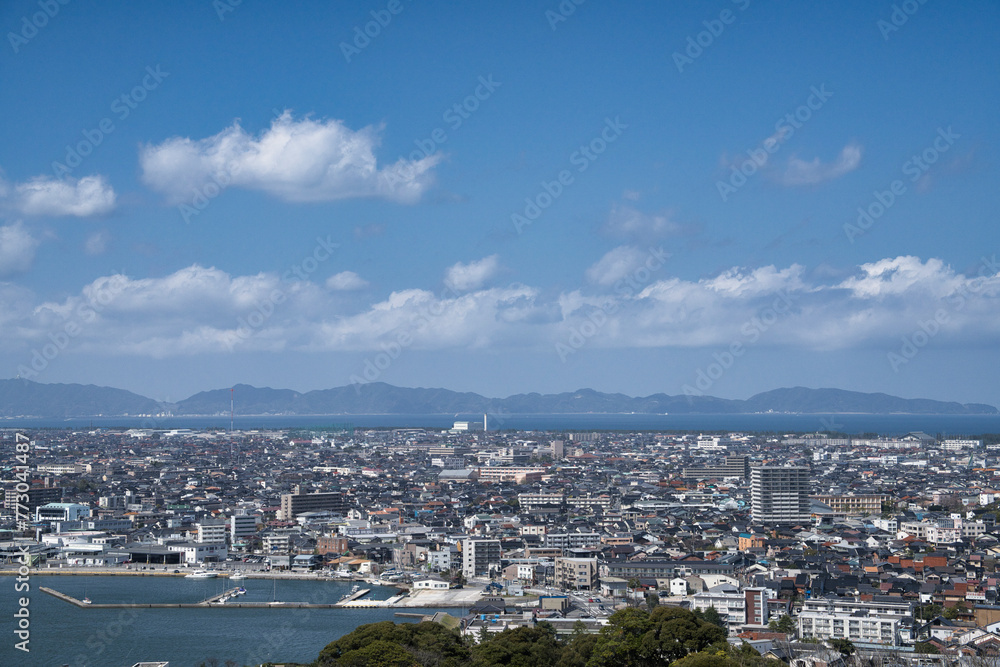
point(529, 502)
point(576, 573)
point(854, 505)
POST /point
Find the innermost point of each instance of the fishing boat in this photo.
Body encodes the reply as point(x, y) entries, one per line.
point(202, 574)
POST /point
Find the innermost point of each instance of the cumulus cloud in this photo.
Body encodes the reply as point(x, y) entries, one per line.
point(17, 249)
point(800, 172)
point(345, 281)
point(902, 275)
point(764, 280)
point(463, 277)
point(46, 196)
point(295, 160)
point(199, 310)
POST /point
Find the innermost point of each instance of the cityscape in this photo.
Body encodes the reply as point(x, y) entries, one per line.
point(787, 541)
point(536, 333)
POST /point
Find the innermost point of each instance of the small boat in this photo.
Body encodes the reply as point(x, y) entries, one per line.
point(86, 601)
point(237, 576)
point(202, 574)
point(241, 591)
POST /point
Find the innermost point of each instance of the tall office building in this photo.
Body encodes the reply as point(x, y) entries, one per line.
point(294, 504)
point(779, 494)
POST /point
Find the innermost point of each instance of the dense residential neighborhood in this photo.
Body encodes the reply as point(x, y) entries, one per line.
point(888, 543)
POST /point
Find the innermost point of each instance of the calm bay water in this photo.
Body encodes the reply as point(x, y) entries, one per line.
point(894, 424)
point(62, 634)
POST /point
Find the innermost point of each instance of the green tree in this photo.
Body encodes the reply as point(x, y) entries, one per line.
point(711, 615)
point(784, 624)
point(578, 651)
point(951, 613)
point(844, 646)
point(424, 643)
point(927, 612)
point(379, 653)
point(636, 637)
point(925, 647)
point(519, 647)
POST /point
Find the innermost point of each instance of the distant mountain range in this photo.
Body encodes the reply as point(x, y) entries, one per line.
point(23, 398)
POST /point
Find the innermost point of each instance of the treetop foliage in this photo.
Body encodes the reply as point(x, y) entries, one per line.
point(633, 637)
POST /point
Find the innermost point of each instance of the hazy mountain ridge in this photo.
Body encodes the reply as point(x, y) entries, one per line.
point(23, 398)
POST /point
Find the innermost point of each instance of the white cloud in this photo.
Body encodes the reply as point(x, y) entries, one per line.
point(346, 281)
point(903, 275)
point(463, 277)
point(800, 172)
point(630, 222)
point(46, 196)
point(199, 310)
point(17, 249)
point(96, 243)
point(764, 280)
point(299, 161)
point(616, 264)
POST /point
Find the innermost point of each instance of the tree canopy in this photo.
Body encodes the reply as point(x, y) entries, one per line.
point(633, 637)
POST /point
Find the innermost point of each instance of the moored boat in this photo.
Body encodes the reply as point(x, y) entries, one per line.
point(202, 574)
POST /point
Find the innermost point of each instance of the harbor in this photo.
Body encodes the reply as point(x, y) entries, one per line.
point(232, 598)
point(160, 615)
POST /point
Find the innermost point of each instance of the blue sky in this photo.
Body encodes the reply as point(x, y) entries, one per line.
point(530, 196)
